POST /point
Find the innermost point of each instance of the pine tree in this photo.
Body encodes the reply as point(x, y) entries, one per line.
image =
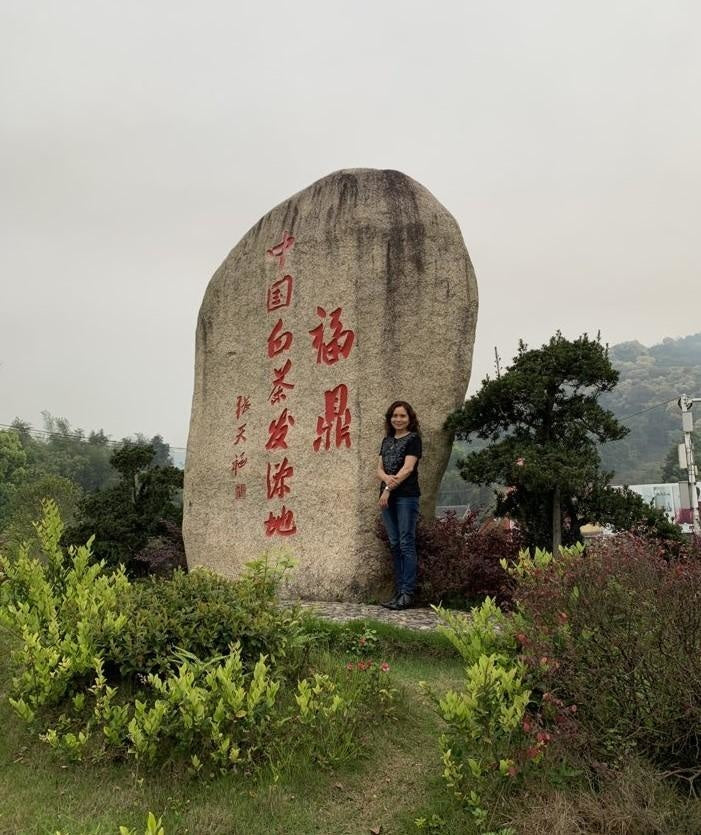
point(543, 422)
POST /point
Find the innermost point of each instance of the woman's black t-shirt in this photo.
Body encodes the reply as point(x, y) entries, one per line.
point(393, 452)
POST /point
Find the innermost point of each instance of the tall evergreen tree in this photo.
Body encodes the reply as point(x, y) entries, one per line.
point(144, 505)
point(542, 420)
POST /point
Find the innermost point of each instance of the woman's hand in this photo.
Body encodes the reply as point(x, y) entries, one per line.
point(384, 499)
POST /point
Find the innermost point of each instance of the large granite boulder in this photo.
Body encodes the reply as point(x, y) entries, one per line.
point(352, 293)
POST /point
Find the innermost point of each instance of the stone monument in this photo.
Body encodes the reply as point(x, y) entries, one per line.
point(352, 293)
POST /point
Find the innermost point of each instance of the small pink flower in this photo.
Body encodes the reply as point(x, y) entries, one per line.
point(349, 666)
point(520, 462)
point(384, 666)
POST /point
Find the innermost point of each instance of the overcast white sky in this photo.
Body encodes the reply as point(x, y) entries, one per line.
point(141, 140)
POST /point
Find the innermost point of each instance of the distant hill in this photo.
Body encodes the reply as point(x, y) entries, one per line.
point(648, 377)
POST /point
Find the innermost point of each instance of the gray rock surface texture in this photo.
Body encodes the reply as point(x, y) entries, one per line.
point(352, 293)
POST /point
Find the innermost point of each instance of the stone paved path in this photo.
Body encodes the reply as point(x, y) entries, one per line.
point(343, 612)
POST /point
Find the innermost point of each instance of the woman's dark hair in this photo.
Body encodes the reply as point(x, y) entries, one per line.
point(413, 420)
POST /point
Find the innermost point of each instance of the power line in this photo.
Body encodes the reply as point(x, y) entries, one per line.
point(649, 409)
point(74, 436)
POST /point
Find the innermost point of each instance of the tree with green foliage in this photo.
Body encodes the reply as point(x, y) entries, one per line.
point(26, 506)
point(13, 470)
point(543, 422)
point(141, 507)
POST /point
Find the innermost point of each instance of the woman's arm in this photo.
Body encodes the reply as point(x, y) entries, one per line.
point(405, 472)
point(381, 474)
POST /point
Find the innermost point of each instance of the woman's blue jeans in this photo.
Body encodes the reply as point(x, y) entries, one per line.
point(400, 523)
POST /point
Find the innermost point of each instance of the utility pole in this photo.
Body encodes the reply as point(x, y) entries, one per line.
point(686, 404)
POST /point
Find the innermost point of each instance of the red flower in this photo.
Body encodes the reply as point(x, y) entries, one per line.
point(384, 666)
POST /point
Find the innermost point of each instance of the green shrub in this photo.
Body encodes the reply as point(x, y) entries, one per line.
point(172, 669)
point(210, 711)
point(204, 614)
point(63, 609)
point(617, 634)
point(485, 745)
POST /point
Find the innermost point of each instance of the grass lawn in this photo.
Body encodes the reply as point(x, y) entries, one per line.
point(396, 779)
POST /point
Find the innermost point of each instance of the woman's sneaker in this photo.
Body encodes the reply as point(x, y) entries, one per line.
point(404, 601)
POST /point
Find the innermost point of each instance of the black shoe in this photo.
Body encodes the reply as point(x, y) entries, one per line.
point(389, 604)
point(404, 601)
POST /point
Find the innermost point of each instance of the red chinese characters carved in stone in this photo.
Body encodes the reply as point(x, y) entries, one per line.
point(240, 434)
point(277, 392)
point(243, 404)
point(280, 293)
point(341, 340)
point(280, 250)
point(240, 491)
point(279, 340)
point(277, 477)
point(239, 463)
point(335, 421)
point(277, 431)
point(283, 524)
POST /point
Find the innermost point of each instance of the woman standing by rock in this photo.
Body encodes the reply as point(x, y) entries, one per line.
point(398, 470)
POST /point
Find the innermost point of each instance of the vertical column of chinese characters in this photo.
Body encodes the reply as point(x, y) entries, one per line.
point(279, 472)
point(333, 426)
point(243, 404)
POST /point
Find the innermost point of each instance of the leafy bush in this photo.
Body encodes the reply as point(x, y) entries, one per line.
point(459, 560)
point(204, 709)
point(64, 610)
point(106, 668)
point(204, 614)
point(486, 744)
point(617, 632)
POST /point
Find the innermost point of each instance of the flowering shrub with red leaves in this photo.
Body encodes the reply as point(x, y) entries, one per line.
point(615, 636)
point(459, 560)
